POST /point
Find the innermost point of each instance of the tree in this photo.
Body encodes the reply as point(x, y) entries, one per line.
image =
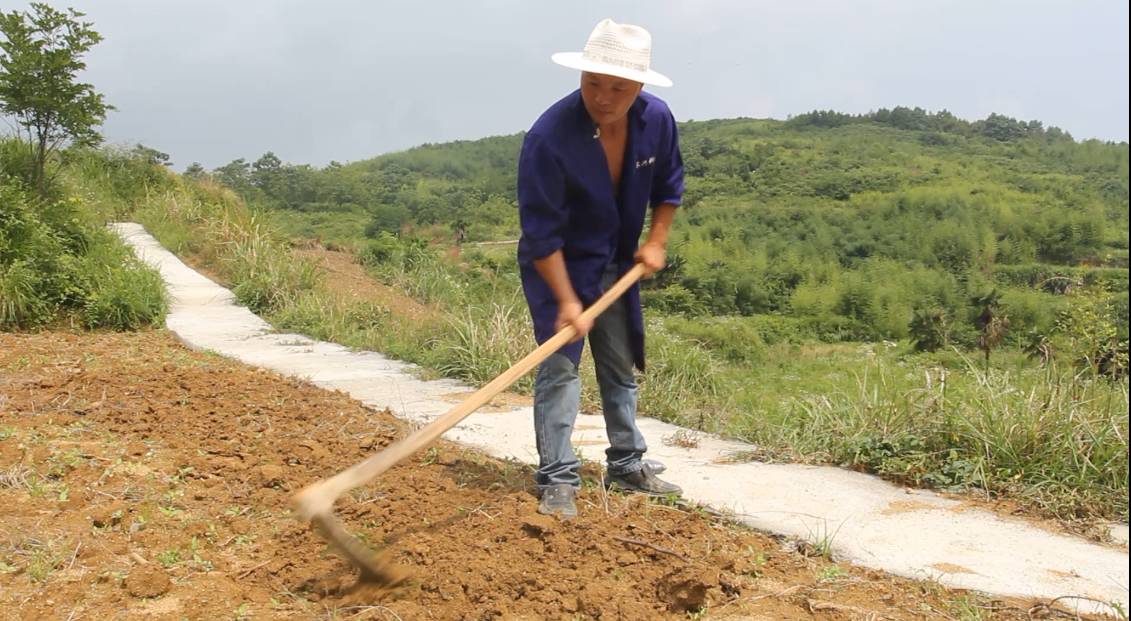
point(387, 219)
point(151, 155)
point(1001, 127)
point(195, 171)
point(40, 59)
point(265, 172)
point(235, 174)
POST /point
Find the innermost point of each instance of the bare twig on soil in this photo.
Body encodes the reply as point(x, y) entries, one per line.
point(366, 610)
point(15, 477)
point(1048, 608)
point(74, 556)
point(247, 572)
point(819, 606)
point(779, 594)
point(653, 547)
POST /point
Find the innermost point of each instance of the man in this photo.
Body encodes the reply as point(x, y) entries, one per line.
point(590, 167)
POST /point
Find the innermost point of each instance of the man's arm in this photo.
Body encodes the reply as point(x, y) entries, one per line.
point(653, 253)
point(552, 269)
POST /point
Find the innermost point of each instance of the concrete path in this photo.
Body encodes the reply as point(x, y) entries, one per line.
point(870, 522)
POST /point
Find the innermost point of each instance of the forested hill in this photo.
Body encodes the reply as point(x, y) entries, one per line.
point(856, 221)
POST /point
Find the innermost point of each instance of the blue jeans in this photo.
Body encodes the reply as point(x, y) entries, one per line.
point(557, 396)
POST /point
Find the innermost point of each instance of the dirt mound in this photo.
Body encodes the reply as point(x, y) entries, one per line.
point(142, 480)
point(347, 278)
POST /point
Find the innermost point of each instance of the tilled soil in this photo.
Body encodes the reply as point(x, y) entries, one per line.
point(139, 479)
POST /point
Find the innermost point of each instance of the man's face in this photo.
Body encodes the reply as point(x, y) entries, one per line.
point(607, 98)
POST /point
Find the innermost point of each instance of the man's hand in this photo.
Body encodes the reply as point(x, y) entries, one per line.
point(552, 269)
point(653, 256)
point(569, 314)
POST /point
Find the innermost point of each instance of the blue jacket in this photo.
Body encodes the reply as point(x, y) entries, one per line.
point(566, 201)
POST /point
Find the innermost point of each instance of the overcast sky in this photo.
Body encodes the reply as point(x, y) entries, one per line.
point(215, 80)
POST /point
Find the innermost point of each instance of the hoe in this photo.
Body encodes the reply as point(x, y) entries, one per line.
point(315, 503)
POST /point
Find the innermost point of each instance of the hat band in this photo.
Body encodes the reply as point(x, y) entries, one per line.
point(611, 60)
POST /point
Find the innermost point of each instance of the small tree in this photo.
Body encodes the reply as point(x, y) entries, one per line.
point(992, 325)
point(929, 329)
point(1039, 347)
point(1094, 334)
point(40, 58)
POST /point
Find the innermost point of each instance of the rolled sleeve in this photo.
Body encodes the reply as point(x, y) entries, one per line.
point(541, 200)
point(667, 181)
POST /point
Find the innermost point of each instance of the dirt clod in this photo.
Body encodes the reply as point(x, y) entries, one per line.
point(687, 589)
point(147, 581)
point(108, 515)
point(271, 475)
point(538, 525)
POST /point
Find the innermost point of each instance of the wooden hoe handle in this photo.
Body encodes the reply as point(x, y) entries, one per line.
point(317, 499)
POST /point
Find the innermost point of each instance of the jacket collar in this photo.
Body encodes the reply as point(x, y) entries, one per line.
point(635, 113)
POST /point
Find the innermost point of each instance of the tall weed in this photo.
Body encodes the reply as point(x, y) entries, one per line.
point(484, 341)
point(1058, 440)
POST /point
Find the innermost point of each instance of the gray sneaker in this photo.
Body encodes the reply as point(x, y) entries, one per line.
point(643, 481)
point(559, 500)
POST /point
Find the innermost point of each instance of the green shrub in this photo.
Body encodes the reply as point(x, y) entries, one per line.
point(928, 329)
point(1030, 310)
point(675, 300)
point(117, 179)
point(127, 298)
point(1093, 334)
point(55, 260)
point(122, 292)
point(17, 160)
point(735, 339)
point(21, 302)
point(381, 250)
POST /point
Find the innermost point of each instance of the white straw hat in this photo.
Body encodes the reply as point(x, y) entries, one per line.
point(616, 49)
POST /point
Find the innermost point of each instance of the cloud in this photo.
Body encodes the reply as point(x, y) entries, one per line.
point(212, 81)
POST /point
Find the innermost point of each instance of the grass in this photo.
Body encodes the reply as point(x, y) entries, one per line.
point(830, 573)
point(169, 558)
point(44, 559)
point(1055, 440)
point(38, 557)
point(968, 608)
point(821, 540)
point(486, 340)
point(684, 438)
point(209, 222)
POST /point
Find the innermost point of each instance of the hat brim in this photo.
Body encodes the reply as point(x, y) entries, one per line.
point(577, 60)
